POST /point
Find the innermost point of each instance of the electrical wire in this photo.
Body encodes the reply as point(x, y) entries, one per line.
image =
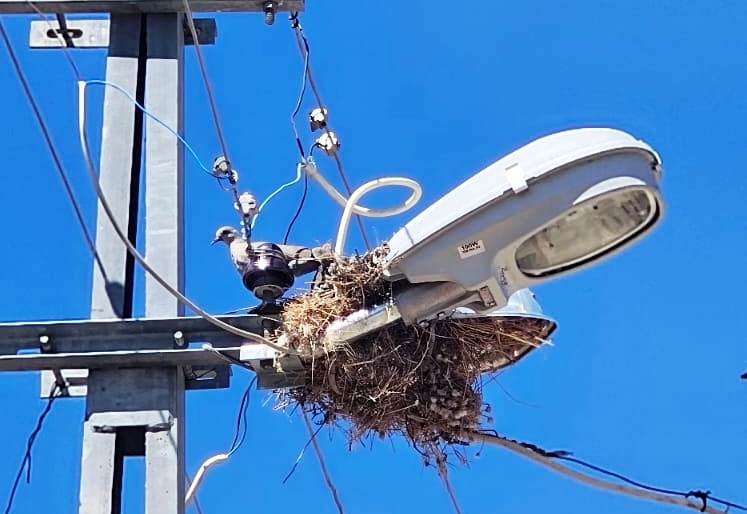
point(639, 490)
point(242, 424)
point(159, 121)
point(93, 175)
point(231, 360)
point(107, 210)
point(238, 440)
point(443, 474)
point(302, 452)
point(240, 309)
point(65, 47)
point(304, 49)
point(51, 148)
point(206, 80)
point(299, 209)
point(299, 144)
point(299, 102)
point(277, 192)
point(350, 205)
point(323, 465)
point(685, 494)
point(246, 228)
point(195, 498)
point(26, 461)
point(62, 22)
point(63, 44)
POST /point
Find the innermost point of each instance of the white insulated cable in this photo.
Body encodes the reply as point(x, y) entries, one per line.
point(333, 193)
point(134, 252)
point(351, 204)
point(209, 463)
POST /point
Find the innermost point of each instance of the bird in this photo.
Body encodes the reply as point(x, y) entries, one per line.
point(237, 247)
point(263, 266)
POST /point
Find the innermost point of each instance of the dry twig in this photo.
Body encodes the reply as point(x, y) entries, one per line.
point(419, 382)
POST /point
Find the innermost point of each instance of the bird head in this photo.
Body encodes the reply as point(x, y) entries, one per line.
point(225, 234)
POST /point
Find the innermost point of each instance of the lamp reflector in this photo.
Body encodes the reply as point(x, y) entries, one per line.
point(590, 230)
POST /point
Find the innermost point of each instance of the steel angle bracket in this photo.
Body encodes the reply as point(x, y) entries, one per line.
point(96, 344)
point(116, 359)
point(145, 6)
point(273, 372)
point(126, 334)
point(95, 33)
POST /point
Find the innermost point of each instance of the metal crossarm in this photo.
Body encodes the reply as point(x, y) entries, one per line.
point(135, 372)
point(122, 359)
point(92, 335)
point(145, 6)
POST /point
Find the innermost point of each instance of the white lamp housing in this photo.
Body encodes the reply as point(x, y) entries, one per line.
point(552, 207)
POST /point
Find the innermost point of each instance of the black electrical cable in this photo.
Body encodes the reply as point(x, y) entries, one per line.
point(704, 496)
point(66, 43)
point(300, 208)
point(26, 461)
point(206, 81)
point(299, 102)
point(304, 49)
point(241, 419)
point(63, 41)
point(230, 359)
point(62, 22)
point(303, 450)
point(50, 146)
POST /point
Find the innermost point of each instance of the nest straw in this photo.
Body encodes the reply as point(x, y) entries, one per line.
point(422, 382)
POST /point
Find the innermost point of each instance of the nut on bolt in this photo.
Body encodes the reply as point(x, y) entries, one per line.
point(46, 343)
point(269, 8)
point(179, 339)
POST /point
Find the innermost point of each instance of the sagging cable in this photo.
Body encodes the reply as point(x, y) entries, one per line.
point(93, 175)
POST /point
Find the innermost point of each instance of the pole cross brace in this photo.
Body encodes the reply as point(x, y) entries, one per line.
point(95, 33)
point(146, 6)
point(111, 429)
point(124, 343)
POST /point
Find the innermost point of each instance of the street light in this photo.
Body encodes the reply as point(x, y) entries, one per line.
point(553, 207)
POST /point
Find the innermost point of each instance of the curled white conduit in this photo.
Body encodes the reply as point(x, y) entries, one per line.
point(333, 193)
point(352, 207)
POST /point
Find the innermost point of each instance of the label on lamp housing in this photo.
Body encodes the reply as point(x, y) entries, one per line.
point(471, 248)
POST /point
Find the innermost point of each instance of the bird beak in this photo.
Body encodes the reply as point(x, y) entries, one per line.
point(216, 240)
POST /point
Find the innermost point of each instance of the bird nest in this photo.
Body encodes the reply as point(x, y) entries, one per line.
point(423, 382)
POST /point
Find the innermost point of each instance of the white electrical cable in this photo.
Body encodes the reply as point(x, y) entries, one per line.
point(408, 204)
point(351, 205)
point(137, 256)
point(209, 463)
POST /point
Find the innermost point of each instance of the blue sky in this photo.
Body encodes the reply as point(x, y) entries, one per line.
point(644, 374)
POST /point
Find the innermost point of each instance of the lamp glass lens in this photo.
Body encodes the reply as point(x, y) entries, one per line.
point(587, 231)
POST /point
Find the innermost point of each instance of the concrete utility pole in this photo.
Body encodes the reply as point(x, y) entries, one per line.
point(134, 372)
